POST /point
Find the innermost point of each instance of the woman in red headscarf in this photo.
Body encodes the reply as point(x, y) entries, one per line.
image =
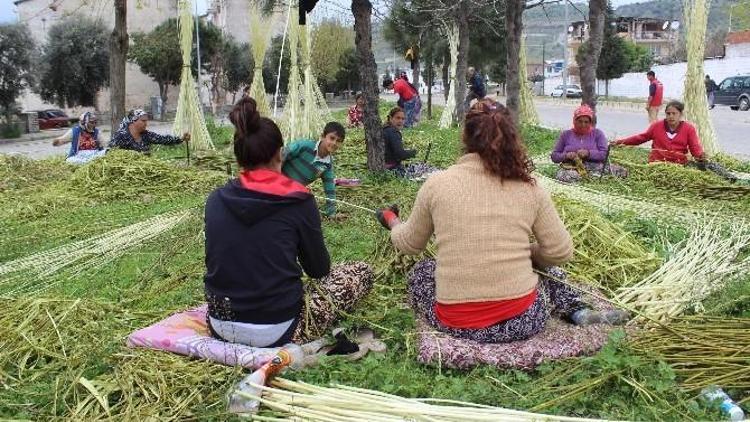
point(583, 150)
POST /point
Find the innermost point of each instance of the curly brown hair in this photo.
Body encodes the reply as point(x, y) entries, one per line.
point(490, 132)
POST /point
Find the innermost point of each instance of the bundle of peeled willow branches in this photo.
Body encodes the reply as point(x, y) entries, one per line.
point(703, 350)
point(707, 261)
point(33, 273)
point(260, 35)
point(696, 102)
point(527, 110)
point(189, 116)
point(299, 401)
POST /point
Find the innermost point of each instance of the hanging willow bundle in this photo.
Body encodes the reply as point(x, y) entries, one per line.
point(189, 116)
point(707, 261)
point(528, 111)
point(696, 103)
point(260, 35)
point(315, 112)
point(32, 273)
point(446, 119)
point(292, 120)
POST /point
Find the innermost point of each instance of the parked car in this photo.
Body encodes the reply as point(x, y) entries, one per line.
point(573, 91)
point(734, 92)
point(52, 118)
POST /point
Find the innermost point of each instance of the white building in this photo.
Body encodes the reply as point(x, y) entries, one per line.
point(143, 16)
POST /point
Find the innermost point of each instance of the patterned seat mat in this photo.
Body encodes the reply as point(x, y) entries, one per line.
point(186, 333)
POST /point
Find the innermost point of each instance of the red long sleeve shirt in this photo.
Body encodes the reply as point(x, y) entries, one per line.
point(665, 149)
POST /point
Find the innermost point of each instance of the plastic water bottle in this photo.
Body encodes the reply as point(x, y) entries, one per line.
point(728, 406)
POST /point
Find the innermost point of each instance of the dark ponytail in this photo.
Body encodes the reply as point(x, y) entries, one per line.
point(490, 132)
point(256, 139)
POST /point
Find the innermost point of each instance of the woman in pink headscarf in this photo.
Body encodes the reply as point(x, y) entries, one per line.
point(583, 150)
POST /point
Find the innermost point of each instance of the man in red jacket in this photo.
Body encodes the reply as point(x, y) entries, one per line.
point(655, 96)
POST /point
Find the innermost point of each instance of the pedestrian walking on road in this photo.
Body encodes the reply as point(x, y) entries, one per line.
point(655, 96)
point(711, 89)
point(477, 90)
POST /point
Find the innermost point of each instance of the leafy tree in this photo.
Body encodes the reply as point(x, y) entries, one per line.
point(271, 66)
point(158, 55)
point(639, 57)
point(347, 77)
point(331, 41)
point(16, 65)
point(238, 65)
point(74, 63)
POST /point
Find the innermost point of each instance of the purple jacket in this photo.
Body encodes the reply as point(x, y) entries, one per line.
point(595, 142)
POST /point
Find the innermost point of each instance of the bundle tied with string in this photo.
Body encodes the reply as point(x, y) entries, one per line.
point(316, 111)
point(189, 117)
point(292, 118)
point(446, 119)
point(260, 35)
point(696, 103)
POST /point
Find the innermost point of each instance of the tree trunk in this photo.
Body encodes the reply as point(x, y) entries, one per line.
point(430, 78)
point(597, 10)
point(415, 71)
point(514, 28)
point(463, 60)
point(118, 55)
point(446, 80)
point(362, 11)
point(163, 89)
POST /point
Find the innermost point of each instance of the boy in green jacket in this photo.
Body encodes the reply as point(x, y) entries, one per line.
point(306, 160)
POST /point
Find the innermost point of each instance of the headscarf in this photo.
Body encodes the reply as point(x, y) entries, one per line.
point(132, 117)
point(583, 111)
point(85, 119)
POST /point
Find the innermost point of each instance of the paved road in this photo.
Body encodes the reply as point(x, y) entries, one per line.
point(732, 127)
point(41, 144)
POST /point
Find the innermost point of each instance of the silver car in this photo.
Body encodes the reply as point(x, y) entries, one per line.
point(572, 91)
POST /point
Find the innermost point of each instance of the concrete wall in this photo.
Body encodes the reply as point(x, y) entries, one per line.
point(635, 85)
point(143, 16)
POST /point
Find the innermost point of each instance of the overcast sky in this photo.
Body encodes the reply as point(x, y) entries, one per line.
point(8, 14)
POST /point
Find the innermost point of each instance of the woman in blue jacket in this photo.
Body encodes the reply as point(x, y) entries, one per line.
point(84, 140)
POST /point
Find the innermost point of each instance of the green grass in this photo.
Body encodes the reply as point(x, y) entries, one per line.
point(165, 275)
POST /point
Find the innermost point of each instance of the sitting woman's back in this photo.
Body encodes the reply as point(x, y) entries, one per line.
point(483, 212)
point(262, 231)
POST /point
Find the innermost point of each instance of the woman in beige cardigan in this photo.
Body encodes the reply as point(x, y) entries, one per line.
point(483, 211)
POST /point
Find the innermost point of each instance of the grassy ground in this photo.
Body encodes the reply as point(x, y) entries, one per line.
point(62, 352)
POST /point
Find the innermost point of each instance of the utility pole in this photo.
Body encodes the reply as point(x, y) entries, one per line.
point(565, 53)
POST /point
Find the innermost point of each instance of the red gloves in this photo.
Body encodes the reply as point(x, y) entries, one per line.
point(387, 215)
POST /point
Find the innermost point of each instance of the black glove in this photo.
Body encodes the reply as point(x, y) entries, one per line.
point(387, 215)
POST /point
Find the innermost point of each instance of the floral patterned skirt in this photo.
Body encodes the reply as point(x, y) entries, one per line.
point(553, 297)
